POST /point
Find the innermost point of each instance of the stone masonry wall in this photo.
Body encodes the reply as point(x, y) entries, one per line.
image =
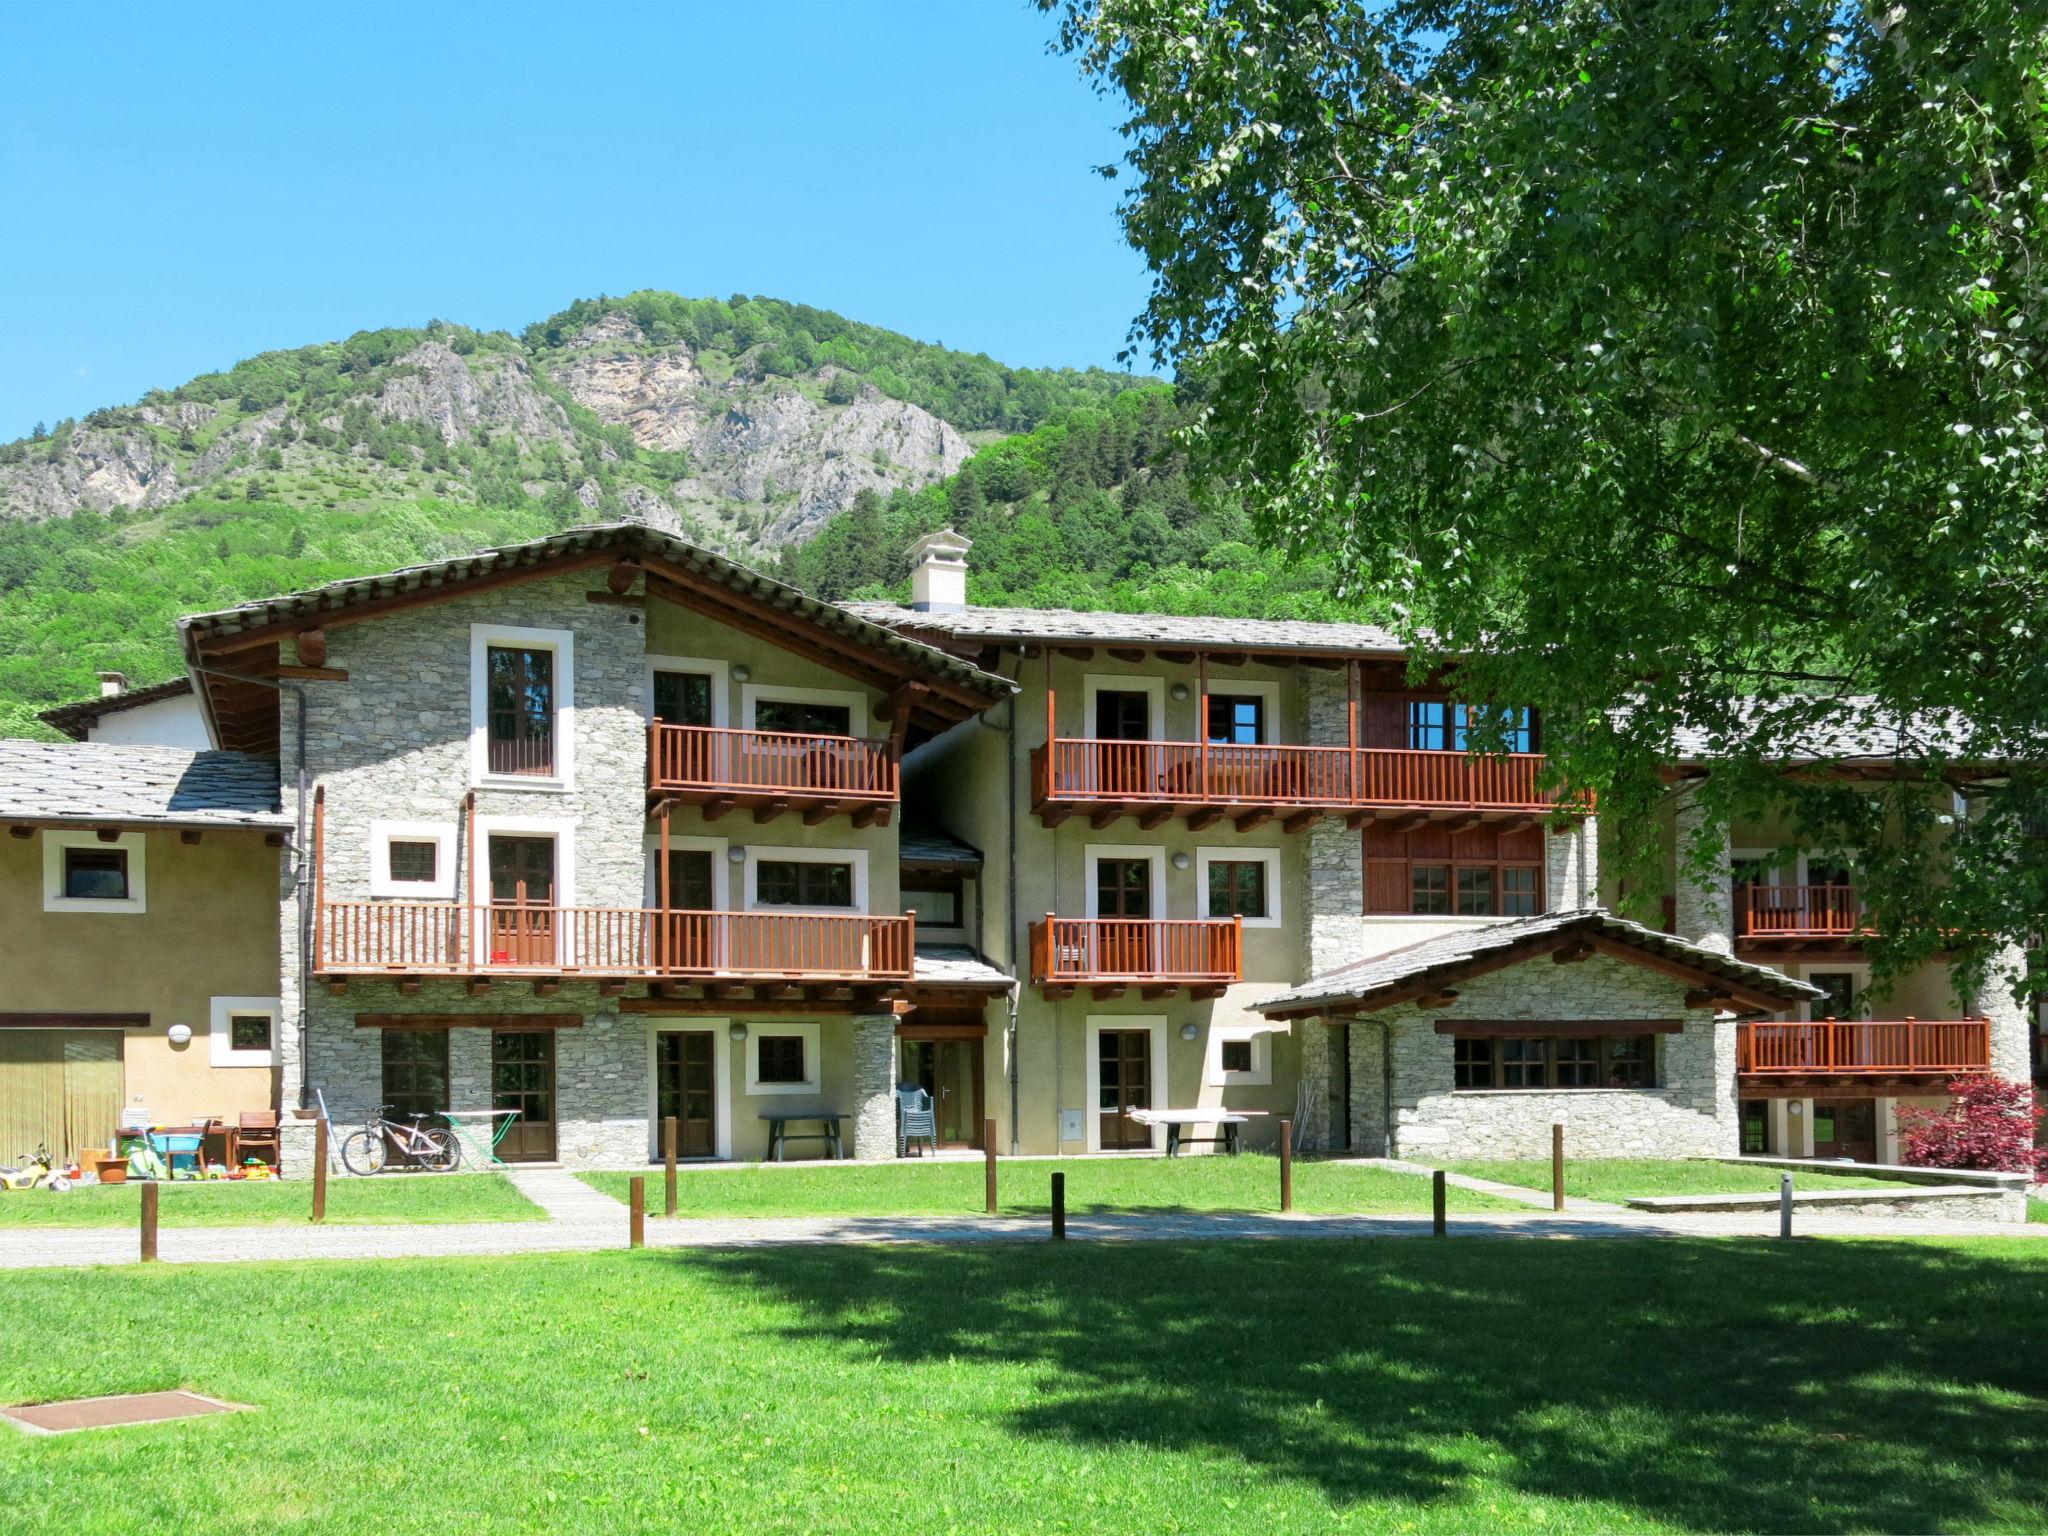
point(1690, 1114)
point(1705, 913)
point(1335, 930)
point(2011, 1028)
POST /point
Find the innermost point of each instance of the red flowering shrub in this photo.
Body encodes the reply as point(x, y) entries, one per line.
point(1988, 1124)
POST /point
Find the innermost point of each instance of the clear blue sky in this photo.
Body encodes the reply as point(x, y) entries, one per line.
point(186, 184)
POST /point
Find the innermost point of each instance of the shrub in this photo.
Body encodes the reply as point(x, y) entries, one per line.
point(1988, 1123)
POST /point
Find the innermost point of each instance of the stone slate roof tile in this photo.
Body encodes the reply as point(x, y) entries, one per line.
point(1171, 629)
point(74, 720)
point(1413, 962)
point(927, 844)
point(954, 965)
point(91, 781)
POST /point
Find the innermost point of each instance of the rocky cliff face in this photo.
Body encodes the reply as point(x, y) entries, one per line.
point(747, 461)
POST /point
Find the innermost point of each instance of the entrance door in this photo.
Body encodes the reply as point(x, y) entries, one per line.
point(1123, 716)
point(1124, 1062)
point(685, 1087)
point(523, 1078)
point(950, 1071)
point(1123, 889)
point(522, 901)
point(1340, 1087)
point(1845, 1128)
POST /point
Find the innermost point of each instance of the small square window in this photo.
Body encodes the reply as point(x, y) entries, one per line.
point(1237, 1055)
point(1471, 1062)
point(1632, 1062)
point(249, 1031)
point(1475, 892)
point(781, 1059)
point(1518, 892)
point(1431, 888)
point(1578, 1063)
point(414, 863)
point(96, 874)
point(1524, 1063)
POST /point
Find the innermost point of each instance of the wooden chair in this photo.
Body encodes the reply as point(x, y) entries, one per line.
point(257, 1132)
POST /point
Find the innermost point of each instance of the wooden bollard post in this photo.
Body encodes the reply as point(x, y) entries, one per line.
point(1557, 1167)
point(636, 1213)
point(1436, 1202)
point(668, 1166)
point(1286, 1165)
point(1784, 1205)
point(149, 1193)
point(320, 1169)
point(1059, 1207)
point(988, 1166)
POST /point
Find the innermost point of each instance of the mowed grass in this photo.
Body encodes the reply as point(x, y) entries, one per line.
point(1250, 1182)
point(1617, 1179)
point(1275, 1386)
point(387, 1200)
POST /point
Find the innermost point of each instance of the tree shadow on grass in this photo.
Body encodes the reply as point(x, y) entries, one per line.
point(1720, 1384)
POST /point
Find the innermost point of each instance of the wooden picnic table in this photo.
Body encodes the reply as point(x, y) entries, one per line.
point(828, 1131)
point(1227, 1120)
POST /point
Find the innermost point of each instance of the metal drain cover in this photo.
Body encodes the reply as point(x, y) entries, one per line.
point(107, 1412)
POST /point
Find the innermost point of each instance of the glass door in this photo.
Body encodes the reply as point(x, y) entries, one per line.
point(522, 926)
point(950, 1071)
point(685, 1087)
point(523, 1078)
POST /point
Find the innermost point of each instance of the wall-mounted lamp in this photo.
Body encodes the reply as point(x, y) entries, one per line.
point(181, 1034)
point(1179, 692)
point(742, 672)
point(736, 1033)
point(1181, 861)
point(735, 855)
point(1189, 1031)
point(1794, 1108)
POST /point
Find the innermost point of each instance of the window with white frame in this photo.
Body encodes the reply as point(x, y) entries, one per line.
point(803, 711)
point(243, 1031)
point(782, 1057)
point(1239, 882)
point(1239, 1056)
point(522, 706)
point(806, 879)
point(412, 858)
point(86, 872)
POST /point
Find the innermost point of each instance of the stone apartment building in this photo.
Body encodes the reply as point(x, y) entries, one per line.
point(606, 829)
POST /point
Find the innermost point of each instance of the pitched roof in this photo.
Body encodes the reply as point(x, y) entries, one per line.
point(1871, 732)
point(76, 720)
point(1361, 980)
point(925, 843)
point(896, 655)
point(94, 782)
point(1172, 629)
point(955, 965)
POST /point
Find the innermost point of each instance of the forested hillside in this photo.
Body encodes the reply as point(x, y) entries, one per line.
point(1092, 512)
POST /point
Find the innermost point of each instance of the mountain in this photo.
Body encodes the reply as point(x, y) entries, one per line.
point(743, 423)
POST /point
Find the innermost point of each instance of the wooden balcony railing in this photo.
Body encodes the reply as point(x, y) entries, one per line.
point(1158, 951)
point(1800, 912)
point(712, 760)
point(1087, 771)
point(1846, 1047)
point(418, 937)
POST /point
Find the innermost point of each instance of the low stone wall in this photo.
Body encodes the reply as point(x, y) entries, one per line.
point(1937, 1202)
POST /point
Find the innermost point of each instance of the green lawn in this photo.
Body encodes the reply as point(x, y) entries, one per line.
point(1433, 1387)
point(1617, 1178)
point(393, 1199)
point(1099, 1185)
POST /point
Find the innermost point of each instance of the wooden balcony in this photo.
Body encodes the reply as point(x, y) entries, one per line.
point(420, 938)
point(1205, 782)
point(1800, 916)
point(1159, 956)
point(1919, 1053)
point(770, 772)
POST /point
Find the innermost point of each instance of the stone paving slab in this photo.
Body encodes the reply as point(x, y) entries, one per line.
point(49, 1248)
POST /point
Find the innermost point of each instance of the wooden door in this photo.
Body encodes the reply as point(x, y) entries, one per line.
point(1123, 889)
point(523, 1078)
point(950, 1071)
point(685, 1086)
point(689, 937)
point(1124, 1067)
point(522, 927)
point(1120, 717)
point(1845, 1128)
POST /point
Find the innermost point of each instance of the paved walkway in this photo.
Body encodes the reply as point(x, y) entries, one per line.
point(33, 1249)
point(1521, 1194)
point(564, 1196)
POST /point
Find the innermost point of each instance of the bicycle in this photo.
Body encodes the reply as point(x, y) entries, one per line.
point(431, 1147)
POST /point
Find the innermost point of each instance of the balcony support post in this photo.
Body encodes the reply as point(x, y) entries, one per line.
point(874, 1087)
point(1202, 719)
point(1351, 728)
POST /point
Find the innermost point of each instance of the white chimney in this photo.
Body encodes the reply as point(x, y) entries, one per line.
point(113, 684)
point(938, 572)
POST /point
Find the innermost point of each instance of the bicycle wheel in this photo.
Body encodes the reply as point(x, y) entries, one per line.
point(441, 1152)
point(363, 1153)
